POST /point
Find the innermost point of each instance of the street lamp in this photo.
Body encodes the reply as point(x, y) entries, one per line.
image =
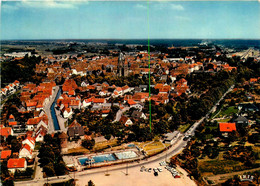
point(126, 169)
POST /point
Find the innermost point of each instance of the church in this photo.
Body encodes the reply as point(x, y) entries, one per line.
point(122, 66)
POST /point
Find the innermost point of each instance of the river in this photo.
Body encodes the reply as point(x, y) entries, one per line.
point(53, 114)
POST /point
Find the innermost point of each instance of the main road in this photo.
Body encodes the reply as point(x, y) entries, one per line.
point(176, 148)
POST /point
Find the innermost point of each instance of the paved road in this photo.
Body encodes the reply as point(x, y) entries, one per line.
point(120, 112)
point(176, 148)
point(47, 110)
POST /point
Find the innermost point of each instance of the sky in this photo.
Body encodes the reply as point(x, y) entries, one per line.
point(74, 19)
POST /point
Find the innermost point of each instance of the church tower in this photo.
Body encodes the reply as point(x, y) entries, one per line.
point(122, 65)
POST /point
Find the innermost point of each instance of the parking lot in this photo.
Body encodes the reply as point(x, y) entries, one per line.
point(137, 177)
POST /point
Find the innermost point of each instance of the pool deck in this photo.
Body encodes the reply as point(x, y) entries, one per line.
point(79, 166)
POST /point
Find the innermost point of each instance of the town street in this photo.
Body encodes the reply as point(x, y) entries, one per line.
point(47, 110)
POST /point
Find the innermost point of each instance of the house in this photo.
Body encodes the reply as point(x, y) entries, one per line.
point(75, 130)
point(40, 133)
point(118, 92)
point(31, 105)
point(241, 120)
point(5, 154)
point(131, 103)
point(6, 131)
point(29, 141)
point(248, 107)
point(63, 140)
point(126, 121)
point(98, 101)
point(86, 102)
point(67, 112)
point(25, 152)
point(170, 138)
point(226, 128)
point(32, 123)
point(136, 114)
point(16, 164)
point(75, 104)
point(84, 84)
point(11, 118)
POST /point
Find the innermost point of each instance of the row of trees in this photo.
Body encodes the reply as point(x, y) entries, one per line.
point(50, 156)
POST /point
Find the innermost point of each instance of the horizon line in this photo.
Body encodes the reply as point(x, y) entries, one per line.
point(133, 39)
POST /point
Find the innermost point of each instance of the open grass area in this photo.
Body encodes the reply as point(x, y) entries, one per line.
point(104, 145)
point(183, 128)
point(154, 148)
point(80, 150)
point(154, 145)
point(227, 112)
point(223, 120)
point(217, 166)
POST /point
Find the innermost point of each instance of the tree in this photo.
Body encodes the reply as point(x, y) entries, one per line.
point(88, 144)
point(49, 170)
point(60, 168)
point(90, 183)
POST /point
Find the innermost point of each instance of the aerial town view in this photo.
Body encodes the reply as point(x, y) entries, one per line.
point(130, 93)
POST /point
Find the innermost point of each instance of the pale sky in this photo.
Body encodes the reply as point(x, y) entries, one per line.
point(129, 20)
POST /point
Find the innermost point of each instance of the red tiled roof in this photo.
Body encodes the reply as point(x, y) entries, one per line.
point(16, 163)
point(131, 102)
point(5, 154)
point(31, 103)
point(27, 147)
point(11, 116)
point(74, 123)
point(227, 127)
point(12, 123)
point(5, 131)
point(98, 100)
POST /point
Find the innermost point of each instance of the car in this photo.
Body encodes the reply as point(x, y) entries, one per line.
point(159, 169)
point(150, 169)
point(155, 170)
point(155, 173)
point(142, 169)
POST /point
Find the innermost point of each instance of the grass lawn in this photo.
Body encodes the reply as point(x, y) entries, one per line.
point(104, 145)
point(154, 145)
point(228, 112)
point(217, 166)
point(154, 148)
point(223, 120)
point(78, 150)
point(183, 128)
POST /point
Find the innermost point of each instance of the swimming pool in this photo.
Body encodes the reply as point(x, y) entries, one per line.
point(131, 145)
point(98, 159)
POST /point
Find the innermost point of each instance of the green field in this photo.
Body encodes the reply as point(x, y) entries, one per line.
point(227, 112)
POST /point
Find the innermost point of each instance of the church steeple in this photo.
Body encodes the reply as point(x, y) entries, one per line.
point(122, 66)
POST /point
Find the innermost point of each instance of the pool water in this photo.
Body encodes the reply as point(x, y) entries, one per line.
point(98, 159)
point(131, 145)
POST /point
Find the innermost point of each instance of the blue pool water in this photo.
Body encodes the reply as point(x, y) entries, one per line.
point(98, 159)
point(131, 145)
point(53, 114)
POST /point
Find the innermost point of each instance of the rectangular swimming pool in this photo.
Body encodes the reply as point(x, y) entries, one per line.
point(97, 159)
